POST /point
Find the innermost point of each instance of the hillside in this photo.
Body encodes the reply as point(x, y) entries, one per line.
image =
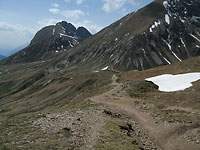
point(69, 90)
point(36, 109)
point(163, 32)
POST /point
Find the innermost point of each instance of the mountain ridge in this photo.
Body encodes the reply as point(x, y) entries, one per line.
point(161, 33)
point(154, 35)
point(48, 42)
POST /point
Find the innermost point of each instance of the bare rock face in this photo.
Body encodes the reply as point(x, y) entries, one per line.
point(163, 32)
point(49, 41)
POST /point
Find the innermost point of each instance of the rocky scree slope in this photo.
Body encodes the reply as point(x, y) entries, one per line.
point(163, 32)
point(49, 41)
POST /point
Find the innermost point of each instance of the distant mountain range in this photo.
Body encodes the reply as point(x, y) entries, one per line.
point(163, 32)
point(13, 51)
point(2, 57)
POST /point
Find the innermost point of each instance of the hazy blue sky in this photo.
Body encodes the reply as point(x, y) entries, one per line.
point(21, 19)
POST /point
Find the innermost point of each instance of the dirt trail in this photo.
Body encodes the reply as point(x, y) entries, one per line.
point(167, 136)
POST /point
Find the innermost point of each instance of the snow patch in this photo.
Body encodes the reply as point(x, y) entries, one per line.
point(195, 37)
point(66, 35)
point(183, 42)
point(196, 18)
point(54, 31)
point(156, 24)
point(165, 4)
point(167, 19)
point(170, 48)
point(127, 34)
point(172, 83)
point(165, 58)
point(105, 68)
point(197, 46)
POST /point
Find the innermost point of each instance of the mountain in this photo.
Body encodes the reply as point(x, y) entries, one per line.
point(80, 107)
point(163, 32)
point(49, 41)
point(2, 57)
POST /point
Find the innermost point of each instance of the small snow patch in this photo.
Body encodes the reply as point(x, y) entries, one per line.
point(182, 42)
point(156, 24)
point(195, 37)
point(165, 3)
point(172, 83)
point(105, 68)
point(197, 46)
point(167, 20)
point(54, 31)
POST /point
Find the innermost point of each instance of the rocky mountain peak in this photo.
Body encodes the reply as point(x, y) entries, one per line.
point(82, 33)
point(50, 41)
point(67, 26)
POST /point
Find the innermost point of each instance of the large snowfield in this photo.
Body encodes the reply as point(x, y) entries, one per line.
point(172, 83)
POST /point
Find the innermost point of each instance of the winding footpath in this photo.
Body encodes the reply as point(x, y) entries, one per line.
point(166, 136)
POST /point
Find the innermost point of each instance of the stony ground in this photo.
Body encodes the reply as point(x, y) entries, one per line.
point(84, 128)
point(89, 111)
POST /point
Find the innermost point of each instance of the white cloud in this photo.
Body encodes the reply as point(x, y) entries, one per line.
point(55, 5)
point(113, 5)
point(69, 14)
point(47, 22)
point(93, 28)
point(135, 2)
point(54, 10)
point(67, 1)
point(72, 14)
point(14, 35)
point(78, 2)
point(124, 11)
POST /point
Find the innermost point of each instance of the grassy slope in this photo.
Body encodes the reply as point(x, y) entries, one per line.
point(32, 93)
point(180, 106)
